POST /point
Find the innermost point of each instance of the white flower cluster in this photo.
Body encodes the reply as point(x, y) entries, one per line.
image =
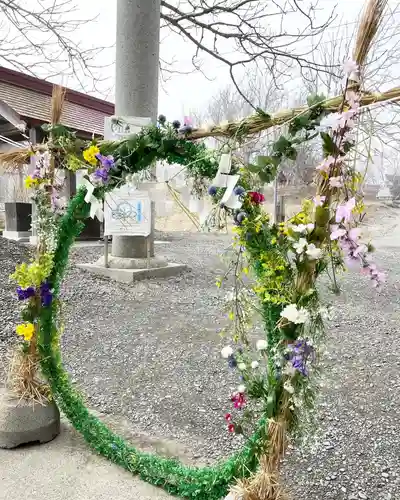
point(312, 252)
point(295, 315)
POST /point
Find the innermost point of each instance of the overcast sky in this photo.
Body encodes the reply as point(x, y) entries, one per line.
point(182, 93)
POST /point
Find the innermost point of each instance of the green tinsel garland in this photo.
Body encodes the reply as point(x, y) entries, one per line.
point(209, 483)
point(132, 155)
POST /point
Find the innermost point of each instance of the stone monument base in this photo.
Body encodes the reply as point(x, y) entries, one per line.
point(17, 235)
point(22, 423)
point(126, 275)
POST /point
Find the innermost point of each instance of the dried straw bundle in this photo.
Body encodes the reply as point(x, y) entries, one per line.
point(370, 22)
point(23, 379)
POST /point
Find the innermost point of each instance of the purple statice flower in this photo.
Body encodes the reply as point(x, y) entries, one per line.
point(46, 294)
point(36, 174)
point(212, 190)
point(25, 293)
point(301, 353)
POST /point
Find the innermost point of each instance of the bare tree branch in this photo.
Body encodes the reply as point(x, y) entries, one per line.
point(39, 37)
point(239, 33)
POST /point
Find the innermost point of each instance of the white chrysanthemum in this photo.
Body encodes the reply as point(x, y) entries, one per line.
point(300, 246)
point(313, 252)
point(226, 351)
point(241, 367)
point(254, 364)
point(294, 315)
point(261, 345)
point(241, 389)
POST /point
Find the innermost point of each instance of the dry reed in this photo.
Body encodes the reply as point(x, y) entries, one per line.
point(23, 378)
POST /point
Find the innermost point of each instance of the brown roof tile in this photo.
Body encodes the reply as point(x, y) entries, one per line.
point(35, 105)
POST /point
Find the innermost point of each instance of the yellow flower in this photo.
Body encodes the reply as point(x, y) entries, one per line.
point(31, 182)
point(26, 330)
point(90, 154)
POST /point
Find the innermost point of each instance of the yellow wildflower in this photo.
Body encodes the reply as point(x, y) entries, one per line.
point(26, 330)
point(30, 182)
point(90, 154)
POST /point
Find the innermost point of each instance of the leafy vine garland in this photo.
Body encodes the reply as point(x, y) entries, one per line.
point(286, 260)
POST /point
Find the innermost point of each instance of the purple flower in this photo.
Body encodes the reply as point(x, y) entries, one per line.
point(36, 174)
point(25, 293)
point(106, 161)
point(212, 190)
point(301, 353)
point(46, 294)
point(239, 190)
point(101, 174)
point(232, 363)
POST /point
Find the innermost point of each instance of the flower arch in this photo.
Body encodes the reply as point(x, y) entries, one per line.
point(285, 260)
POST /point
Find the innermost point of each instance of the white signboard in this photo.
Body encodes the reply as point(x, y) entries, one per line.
point(119, 127)
point(127, 213)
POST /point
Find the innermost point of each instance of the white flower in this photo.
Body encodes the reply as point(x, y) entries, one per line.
point(313, 252)
point(261, 345)
point(288, 387)
point(300, 246)
point(302, 228)
point(241, 389)
point(254, 364)
point(241, 367)
point(226, 351)
point(230, 296)
point(294, 315)
point(289, 369)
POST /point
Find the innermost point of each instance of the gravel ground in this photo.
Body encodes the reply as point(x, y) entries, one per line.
point(11, 253)
point(150, 353)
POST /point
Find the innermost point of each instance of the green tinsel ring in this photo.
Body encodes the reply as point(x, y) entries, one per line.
point(209, 483)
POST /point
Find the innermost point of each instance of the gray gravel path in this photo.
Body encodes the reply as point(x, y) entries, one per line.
point(150, 353)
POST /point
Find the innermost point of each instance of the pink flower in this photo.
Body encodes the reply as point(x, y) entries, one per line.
point(337, 232)
point(346, 119)
point(228, 417)
point(344, 212)
point(360, 250)
point(238, 400)
point(350, 67)
point(326, 164)
point(353, 99)
point(319, 200)
point(354, 234)
point(335, 182)
point(188, 121)
point(231, 427)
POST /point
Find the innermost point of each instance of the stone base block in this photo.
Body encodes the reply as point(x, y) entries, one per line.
point(17, 235)
point(22, 423)
point(122, 263)
point(131, 275)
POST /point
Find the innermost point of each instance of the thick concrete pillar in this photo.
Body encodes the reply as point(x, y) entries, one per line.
point(136, 86)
